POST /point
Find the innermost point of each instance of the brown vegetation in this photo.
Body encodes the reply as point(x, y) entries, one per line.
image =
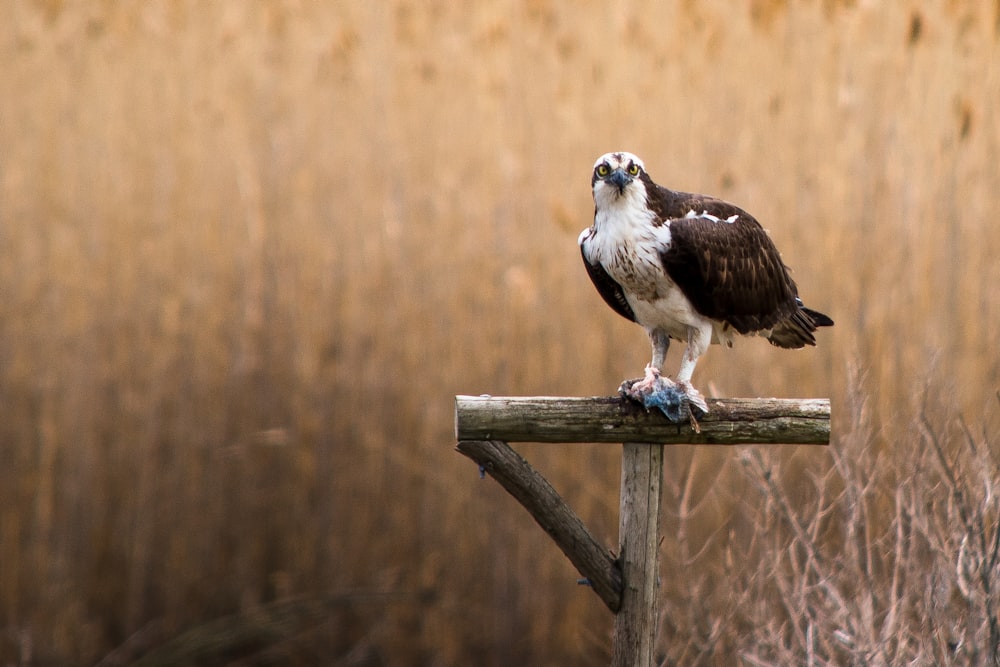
point(250, 251)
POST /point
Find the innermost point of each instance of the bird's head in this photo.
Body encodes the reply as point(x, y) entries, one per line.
point(617, 176)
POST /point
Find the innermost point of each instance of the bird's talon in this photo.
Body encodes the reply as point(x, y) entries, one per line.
point(678, 401)
point(696, 400)
point(694, 422)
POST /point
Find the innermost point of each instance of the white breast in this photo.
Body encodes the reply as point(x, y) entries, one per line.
point(627, 243)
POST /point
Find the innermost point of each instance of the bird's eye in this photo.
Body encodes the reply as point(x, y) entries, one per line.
point(633, 169)
point(603, 170)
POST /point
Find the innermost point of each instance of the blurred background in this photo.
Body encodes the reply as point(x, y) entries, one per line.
point(249, 252)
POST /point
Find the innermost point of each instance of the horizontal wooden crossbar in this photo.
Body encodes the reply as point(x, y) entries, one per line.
point(730, 421)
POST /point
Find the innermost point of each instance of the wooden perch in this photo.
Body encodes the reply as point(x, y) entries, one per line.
point(627, 584)
point(551, 513)
point(730, 421)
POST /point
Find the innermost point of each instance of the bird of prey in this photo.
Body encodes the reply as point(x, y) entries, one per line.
point(687, 267)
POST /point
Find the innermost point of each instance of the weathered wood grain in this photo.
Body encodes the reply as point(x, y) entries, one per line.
point(639, 537)
point(730, 421)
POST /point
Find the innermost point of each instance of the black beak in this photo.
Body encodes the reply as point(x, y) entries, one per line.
point(619, 179)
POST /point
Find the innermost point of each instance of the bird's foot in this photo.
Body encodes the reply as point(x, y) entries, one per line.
point(635, 389)
point(694, 397)
point(677, 401)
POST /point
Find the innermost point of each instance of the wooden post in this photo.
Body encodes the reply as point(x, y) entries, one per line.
point(627, 584)
point(639, 538)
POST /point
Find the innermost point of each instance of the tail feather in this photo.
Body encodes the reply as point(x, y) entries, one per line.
point(797, 331)
point(818, 318)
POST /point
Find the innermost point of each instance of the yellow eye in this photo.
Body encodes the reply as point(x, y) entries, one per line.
point(603, 170)
point(633, 169)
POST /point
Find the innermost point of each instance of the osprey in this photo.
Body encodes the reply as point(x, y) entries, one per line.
point(687, 267)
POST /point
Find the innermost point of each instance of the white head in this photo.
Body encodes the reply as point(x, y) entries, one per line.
point(618, 180)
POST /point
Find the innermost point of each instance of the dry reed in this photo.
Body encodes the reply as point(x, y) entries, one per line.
point(251, 250)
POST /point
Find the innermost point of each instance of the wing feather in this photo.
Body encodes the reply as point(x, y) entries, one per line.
point(730, 270)
point(607, 287)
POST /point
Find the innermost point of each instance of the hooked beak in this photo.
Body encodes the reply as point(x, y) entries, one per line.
point(619, 179)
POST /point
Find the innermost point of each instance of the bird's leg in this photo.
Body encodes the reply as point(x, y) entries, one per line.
point(634, 388)
point(654, 390)
point(661, 343)
point(697, 344)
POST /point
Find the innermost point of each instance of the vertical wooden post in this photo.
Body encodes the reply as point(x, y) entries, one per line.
point(639, 536)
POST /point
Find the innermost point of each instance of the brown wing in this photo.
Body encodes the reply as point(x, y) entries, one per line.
point(730, 271)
